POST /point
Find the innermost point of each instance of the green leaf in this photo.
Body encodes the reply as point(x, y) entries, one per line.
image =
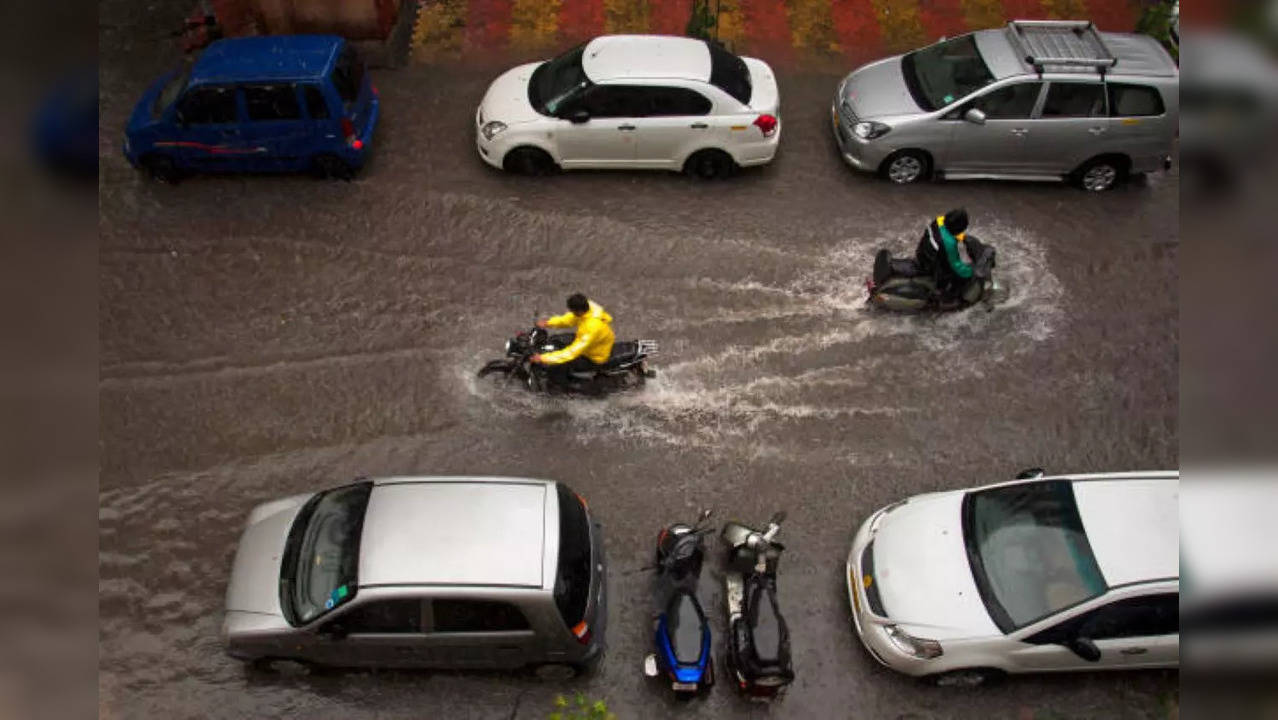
point(561, 701)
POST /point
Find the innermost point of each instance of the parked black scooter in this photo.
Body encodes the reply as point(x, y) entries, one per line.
point(758, 655)
point(681, 634)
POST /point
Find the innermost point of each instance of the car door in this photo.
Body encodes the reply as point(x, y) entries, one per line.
point(1139, 631)
point(385, 632)
point(477, 633)
point(1002, 142)
point(276, 126)
point(676, 122)
point(607, 137)
point(1071, 127)
point(209, 132)
point(325, 131)
point(1139, 126)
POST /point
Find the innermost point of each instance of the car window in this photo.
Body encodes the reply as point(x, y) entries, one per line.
point(1143, 616)
point(946, 72)
point(452, 615)
point(169, 93)
point(572, 574)
point(606, 101)
point(399, 615)
point(316, 106)
point(1073, 100)
point(729, 73)
point(675, 101)
point(271, 102)
point(1134, 100)
point(1011, 102)
point(209, 105)
point(348, 75)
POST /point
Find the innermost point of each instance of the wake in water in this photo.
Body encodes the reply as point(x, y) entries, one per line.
point(817, 354)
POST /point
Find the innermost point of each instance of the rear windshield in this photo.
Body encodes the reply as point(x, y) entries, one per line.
point(170, 92)
point(572, 578)
point(348, 76)
point(729, 73)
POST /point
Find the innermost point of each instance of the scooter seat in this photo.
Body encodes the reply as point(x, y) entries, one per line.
point(685, 623)
point(622, 353)
point(761, 638)
point(887, 267)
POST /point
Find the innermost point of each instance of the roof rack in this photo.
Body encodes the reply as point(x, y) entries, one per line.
point(1072, 43)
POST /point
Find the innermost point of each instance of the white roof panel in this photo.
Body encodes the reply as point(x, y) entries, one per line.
point(617, 57)
point(1133, 525)
point(454, 531)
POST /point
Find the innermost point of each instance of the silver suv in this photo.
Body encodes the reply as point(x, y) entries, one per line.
point(1036, 100)
point(436, 572)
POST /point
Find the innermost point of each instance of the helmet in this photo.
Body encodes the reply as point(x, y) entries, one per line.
point(956, 221)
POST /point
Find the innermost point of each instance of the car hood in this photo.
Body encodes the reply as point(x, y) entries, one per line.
point(922, 571)
point(878, 90)
point(255, 574)
point(507, 97)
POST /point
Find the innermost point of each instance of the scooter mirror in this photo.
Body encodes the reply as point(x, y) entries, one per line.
point(650, 665)
point(705, 514)
point(778, 517)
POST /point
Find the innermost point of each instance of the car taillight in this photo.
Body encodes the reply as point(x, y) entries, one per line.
point(583, 502)
point(767, 124)
point(581, 631)
point(348, 132)
point(374, 87)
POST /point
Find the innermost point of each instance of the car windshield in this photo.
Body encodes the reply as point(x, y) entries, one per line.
point(322, 553)
point(945, 72)
point(170, 92)
point(555, 82)
point(1029, 554)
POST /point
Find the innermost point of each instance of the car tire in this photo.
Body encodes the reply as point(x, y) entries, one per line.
point(555, 672)
point(162, 168)
point(326, 167)
point(709, 165)
point(529, 161)
point(966, 677)
point(906, 167)
point(1100, 174)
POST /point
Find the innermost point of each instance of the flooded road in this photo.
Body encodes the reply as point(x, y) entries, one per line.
point(264, 336)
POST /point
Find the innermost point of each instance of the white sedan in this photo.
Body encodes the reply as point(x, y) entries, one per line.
point(633, 101)
point(1040, 574)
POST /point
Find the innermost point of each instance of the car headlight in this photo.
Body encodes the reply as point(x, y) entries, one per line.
point(918, 647)
point(870, 130)
point(492, 129)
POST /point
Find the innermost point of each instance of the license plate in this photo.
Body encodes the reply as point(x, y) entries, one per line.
point(683, 686)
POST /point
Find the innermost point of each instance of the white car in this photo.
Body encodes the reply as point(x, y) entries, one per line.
point(633, 101)
point(1042, 574)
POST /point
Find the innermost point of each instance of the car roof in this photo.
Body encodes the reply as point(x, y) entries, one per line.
point(615, 57)
point(471, 531)
point(267, 57)
point(1138, 56)
point(1132, 522)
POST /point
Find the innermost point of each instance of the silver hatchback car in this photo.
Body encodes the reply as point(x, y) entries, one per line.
point(1036, 100)
point(422, 572)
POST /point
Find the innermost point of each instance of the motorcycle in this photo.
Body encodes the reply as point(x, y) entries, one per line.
point(626, 369)
point(905, 285)
point(681, 633)
point(758, 655)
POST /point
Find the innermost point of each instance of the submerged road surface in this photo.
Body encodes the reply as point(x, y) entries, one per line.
point(264, 336)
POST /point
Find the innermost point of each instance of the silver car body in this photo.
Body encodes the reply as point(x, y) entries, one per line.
point(453, 572)
point(1034, 147)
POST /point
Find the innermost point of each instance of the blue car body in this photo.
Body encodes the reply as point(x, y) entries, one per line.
point(258, 104)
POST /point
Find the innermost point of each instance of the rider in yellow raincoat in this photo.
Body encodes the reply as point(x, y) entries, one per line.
point(593, 344)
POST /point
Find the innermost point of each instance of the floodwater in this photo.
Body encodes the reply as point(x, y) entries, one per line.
point(264, 336)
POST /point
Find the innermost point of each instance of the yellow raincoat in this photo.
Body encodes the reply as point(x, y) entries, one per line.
point(594, 336)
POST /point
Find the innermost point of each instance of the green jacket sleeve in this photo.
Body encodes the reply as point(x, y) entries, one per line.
point(959, 267)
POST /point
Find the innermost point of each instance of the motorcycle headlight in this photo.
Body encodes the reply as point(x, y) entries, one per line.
point(918, 647)
point(870, 130)
point(492, 129)
point(508, 347)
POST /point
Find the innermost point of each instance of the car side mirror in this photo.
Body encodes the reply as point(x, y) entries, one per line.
point(974, 116)
point(1084, 648)
point(1030, 474)
point(579, 116)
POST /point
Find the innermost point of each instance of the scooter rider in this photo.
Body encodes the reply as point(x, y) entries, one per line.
point(938, 253)
point(592, 346)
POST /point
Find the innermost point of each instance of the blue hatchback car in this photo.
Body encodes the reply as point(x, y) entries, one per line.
point(258, 104)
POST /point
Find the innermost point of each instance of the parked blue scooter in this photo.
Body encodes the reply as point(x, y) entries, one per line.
point(680, 631)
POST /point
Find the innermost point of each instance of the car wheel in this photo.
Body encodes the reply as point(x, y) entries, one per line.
point(162, 168)
point(1100, 174)
point(555, 672)
point(907, 166)
point(709, 164)
point(528, 161)
point(331, 166)
point(966, 677)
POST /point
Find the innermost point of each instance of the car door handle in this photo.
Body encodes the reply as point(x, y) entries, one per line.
point(624, 128)
point(1019, 132)
point(1134, 651)
point(1096, 130)
point(698, 126)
